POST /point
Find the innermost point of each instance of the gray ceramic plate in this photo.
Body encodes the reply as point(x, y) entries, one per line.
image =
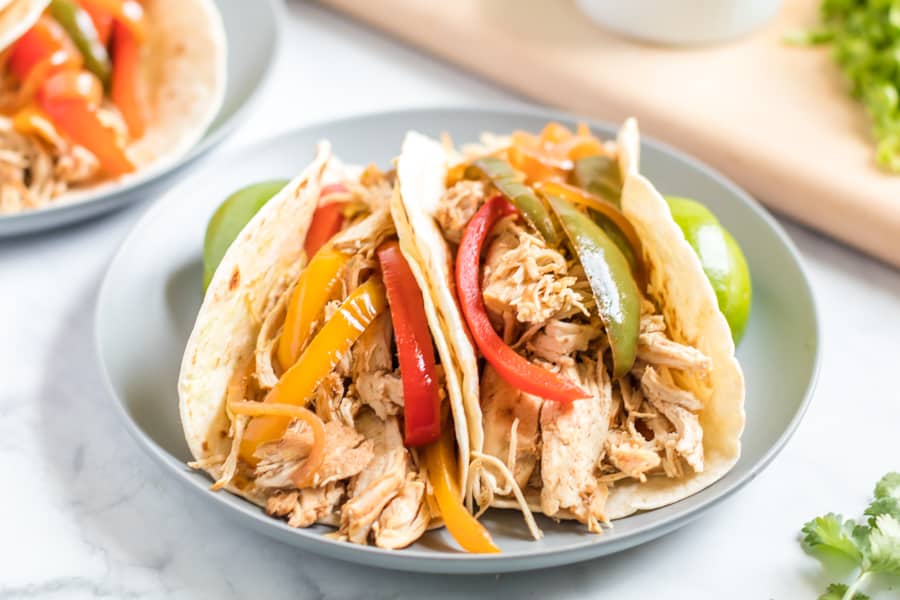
point(152, 292)
point(252, 31)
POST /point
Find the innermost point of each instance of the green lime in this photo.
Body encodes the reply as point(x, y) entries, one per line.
point(231, 216)
point(722, 260)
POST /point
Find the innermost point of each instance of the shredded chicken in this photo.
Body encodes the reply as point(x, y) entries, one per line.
point(558, 340)
point(457, 206)
point(379, 482)
point(655, 348)
point(346, 454)
point(34, 172)
point(573, 437)
point(525, 277)
point(317, 505)
point(405, 517)
point(305, 507)
point(375, 382)
point(503, 406)
point(632, 456)
point(642, 425)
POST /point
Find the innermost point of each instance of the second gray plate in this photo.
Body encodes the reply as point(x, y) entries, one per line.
point(252, 31)
point(153, 290)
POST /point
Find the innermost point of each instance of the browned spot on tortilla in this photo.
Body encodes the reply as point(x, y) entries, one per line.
point(235, 279)
point(205, 446)
point(223, 433)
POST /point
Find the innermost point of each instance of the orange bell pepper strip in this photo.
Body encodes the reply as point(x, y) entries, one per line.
point(125, 88)
point(324, 352)
point(442, 472)
point(129, 13)
point(73, 85)
point(71, 104)
point(317, 284)
point(103, 21)
point(305, 475)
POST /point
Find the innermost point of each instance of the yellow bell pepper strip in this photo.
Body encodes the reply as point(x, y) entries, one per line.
point(615, 291)
point(33, 121)
point(324, 352)
point(442, 469)
point(501, 175)
point(305, 475)
point(624, 228)
point(318, 284)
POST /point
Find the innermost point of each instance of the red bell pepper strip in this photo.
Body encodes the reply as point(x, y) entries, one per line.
point(519, 372)
point(42, 51)
point(72, 107)
point(421, 397)
point(327, 220)
point(126, 79)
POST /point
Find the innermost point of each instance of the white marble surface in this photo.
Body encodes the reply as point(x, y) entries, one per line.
point(86, 515)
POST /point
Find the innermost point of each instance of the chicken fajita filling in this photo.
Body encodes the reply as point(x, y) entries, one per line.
point(580, 387)
point(70, 100)
point(340, 416)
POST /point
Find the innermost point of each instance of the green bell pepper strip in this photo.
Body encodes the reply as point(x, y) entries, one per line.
point(615, 291)
point(616, 235)
point(80, 29)
point(600, 176)
point(523, 197)
point(721, 258)
point(228, 220)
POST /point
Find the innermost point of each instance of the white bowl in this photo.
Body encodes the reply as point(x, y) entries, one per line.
point(681, 22)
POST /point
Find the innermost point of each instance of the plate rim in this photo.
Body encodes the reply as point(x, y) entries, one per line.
point(461, 563)
point(63, 213)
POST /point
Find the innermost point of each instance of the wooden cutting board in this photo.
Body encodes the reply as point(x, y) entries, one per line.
point(776, 119)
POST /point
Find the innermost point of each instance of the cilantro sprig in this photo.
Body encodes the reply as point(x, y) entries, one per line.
point(872, 544)
point(864, 36)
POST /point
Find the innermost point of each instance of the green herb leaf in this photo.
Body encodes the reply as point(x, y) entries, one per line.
point(883, 506)
point(884, 546)
point(865, 41)
point(836, 591)
point(888, 486)
point(832, 533)
point(811, 37)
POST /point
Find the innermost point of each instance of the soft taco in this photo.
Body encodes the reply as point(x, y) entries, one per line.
point(608, 383)
point(95, 91)
point(310, 384)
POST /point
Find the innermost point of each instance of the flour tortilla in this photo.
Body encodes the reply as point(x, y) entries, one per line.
point(183, 64)
point(264, 260)
point(677, 282)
